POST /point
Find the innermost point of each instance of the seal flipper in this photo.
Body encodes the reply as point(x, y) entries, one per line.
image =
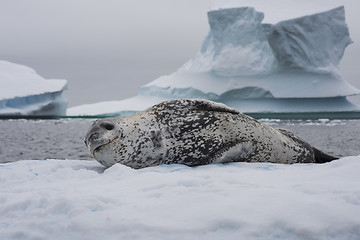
point(321, 157)
point(155, 136)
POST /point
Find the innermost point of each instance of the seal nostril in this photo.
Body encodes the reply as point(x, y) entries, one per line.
point(107, 126)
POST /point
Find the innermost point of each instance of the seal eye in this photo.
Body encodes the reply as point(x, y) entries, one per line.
point(107, 126)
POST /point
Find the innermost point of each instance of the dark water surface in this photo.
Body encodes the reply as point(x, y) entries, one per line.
point(64, 138)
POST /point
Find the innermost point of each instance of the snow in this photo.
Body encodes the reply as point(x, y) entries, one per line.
point(72, 199)
point(24, 92)
point(256, 66)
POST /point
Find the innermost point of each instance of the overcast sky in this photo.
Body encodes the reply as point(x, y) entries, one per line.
point(107, 49)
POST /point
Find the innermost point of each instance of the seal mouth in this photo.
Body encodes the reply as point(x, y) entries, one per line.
point(97, 147)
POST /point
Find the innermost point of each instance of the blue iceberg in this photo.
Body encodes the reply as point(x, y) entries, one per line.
point(291, 66)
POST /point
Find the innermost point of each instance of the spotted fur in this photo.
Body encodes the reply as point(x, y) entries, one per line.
point(193, 132)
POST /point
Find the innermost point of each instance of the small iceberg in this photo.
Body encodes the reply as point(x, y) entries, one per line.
point(24, 93)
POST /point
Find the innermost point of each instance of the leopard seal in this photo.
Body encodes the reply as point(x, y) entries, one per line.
point(194, 132)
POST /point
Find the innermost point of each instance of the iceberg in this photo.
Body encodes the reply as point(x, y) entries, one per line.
point(24, 93)
point(290, 66)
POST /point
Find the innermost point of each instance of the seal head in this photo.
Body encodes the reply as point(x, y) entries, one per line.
point(102, 133)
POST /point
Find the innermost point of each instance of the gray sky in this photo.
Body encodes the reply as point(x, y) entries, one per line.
point(107, 49)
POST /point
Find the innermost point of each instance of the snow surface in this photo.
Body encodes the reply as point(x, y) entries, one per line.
point(24, 92)
point(65, 199)
point(257, 67)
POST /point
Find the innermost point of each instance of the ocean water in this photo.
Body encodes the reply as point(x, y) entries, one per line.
point(64, 138)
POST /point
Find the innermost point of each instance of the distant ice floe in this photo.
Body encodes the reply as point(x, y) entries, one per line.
point(290, 66)
point(317, 122)
point(24, 92)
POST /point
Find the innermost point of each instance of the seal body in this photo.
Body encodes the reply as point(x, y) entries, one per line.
point(194, 132)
